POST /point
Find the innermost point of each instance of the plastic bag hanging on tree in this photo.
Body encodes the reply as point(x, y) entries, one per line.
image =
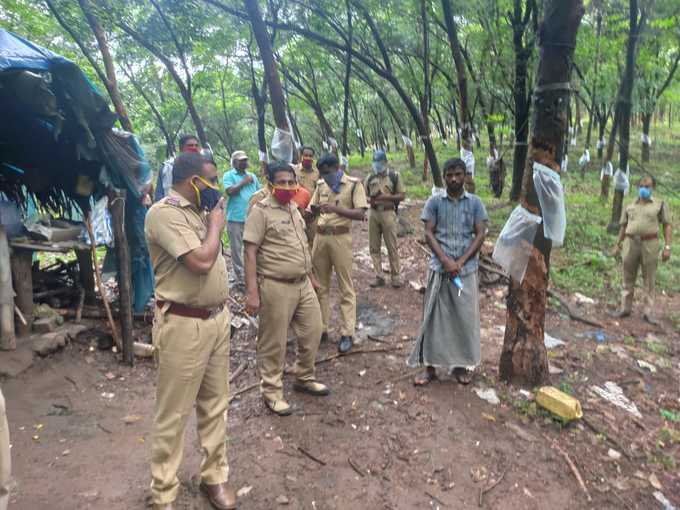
point(469, 158)
point(551, 197)
point(621, 182)
point(584, 159)
point(516, 241)
point(607, 169)
point(564, 167)
point(263, 157)
point(282, 146)
point(407, 141)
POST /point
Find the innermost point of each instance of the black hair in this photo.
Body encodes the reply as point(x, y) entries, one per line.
point(187, 165)
point(453, 163)
point(276, 167)
point(327, 159)
point(307, 148)
point(651, 177)
point(185, 138)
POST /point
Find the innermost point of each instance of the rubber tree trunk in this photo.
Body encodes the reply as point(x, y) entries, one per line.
point(624, 105)
point(347, 84)
point(271, 74)
point(21, 262)
point(646, 145)
point(524, 359)
point(117, 201)
point(601, 126)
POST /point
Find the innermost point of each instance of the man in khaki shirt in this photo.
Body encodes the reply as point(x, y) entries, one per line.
point(279, 285)
point(190, 331)
point(308, 177)
point(639, 236)
point(385, 190)
point(337, 201)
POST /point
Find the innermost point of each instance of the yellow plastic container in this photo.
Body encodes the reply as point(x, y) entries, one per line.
point(559, 403)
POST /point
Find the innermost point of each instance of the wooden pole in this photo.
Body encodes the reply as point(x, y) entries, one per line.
point(100, 285)
point(22, 276)
point(8, 341)
point(117, 206)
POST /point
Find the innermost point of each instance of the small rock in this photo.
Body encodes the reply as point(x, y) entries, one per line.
point(66, 452)
point(278, 443)
point(488, 394)
point(131, 418)
point(282, 500)
point(48, 343)
point(613, 454)
point(108, 395)
point(654, 481)
point(244, 491)
point(110, 376)
point(45, 325)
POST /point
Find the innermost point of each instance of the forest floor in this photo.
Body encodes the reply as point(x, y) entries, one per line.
point(80, 421)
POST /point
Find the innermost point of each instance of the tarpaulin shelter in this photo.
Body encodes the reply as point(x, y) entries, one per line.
point(58, 145)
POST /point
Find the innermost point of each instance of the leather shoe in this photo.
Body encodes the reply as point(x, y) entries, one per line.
point(280, 407)
point(345, 344)
point(168, 506)
point(378, 282)
point(221, 496)
point(651, 320)
point(396, 283)
point(312, 388)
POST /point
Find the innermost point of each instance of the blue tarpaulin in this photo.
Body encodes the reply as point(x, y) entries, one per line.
point(57, 144)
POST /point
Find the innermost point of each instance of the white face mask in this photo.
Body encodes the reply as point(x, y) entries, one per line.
point(378, 167)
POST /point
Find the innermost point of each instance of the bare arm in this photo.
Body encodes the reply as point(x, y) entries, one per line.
point(397, 197)
point(250, 266)
point(450, 266)
point(352, 214)
point(201, 259)
point(233, 190)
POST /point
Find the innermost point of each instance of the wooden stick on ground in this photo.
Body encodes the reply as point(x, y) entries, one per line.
point(484, 490)
point(238, 371)
point(435, 498)
point(572, 466)
point(244, 390)
point(309, 455)
point(573, 315)
point(355, 467)
point(100, 286)
point(352, 353)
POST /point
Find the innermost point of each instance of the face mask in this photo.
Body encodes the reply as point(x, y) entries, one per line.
point(307, 163)
point(333, 179)
point(645, 193)
point(192, 149)
point(378, 167)
point(207, 198)
point(284, 195)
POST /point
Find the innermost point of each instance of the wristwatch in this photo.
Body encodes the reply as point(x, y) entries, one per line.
point(667, 247)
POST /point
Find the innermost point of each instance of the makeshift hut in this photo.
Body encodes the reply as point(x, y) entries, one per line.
point(58, 148)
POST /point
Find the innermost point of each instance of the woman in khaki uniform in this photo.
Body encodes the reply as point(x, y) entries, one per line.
point(639, 238)
point(280, 286)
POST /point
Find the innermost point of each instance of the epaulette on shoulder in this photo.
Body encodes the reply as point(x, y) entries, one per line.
point(172, 201)
point(320, 181)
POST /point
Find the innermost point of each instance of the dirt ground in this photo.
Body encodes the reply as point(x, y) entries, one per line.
point(80, 421)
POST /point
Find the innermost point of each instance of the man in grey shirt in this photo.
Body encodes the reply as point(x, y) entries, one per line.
point(455, 228)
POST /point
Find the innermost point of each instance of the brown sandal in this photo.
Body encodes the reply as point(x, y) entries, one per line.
point(463, 375)
point(426, 378)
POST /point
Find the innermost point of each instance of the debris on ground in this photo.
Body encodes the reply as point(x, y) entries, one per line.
point(551, 342)
point(583, 300)
point(667, 505)
point(488, 394)
point(559, 403)
point(613, 393)
point(646, 365)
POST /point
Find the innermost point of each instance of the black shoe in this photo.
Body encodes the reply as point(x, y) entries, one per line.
point(345, 344)
point(324, 337)
point(651, 320)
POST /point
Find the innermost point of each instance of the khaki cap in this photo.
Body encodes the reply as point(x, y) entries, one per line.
point(238, 155)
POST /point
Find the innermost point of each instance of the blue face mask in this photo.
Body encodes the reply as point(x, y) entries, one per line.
point(645, 193)
point(378, 167)
point(333, 179)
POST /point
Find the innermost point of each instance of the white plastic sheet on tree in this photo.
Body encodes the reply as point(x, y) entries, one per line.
point(332, 142)
point(438, 192)
point(407, 141)
point(344, 162)
point(646, 139)
point(469, 158)
point(551, 197)
point(324, 145)
point(573, 141)
point(101, 223)
point(564, 166)
point(263, 157)
point(584, 159)
point(359, 133)
point(601, 143)
point(621, 182)
point(282, 146)
point(607, 169)
point(516, 241)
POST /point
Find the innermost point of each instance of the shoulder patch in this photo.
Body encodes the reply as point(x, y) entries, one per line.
point(172, 201)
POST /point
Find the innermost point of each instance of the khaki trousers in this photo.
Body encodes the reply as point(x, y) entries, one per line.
point(383, 224)
point(334, 252)
point(642, 255)
point(283, 304)
point(193, 357)
point(5, 458)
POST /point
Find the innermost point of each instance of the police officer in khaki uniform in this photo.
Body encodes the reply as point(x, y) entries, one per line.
point(280, 286)
point(191, 330)
point(338, 200)
point(308, 176)
point(639, 236)
point(385, 191)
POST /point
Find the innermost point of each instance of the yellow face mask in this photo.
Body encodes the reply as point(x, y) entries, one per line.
point(206, 198)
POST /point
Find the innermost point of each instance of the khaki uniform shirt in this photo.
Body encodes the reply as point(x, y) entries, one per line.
point(643, 217)
point(351, 196)
point(260, 194)
point(173, 228)
point(307, 178)
point(382, 185)
point(279, 233)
